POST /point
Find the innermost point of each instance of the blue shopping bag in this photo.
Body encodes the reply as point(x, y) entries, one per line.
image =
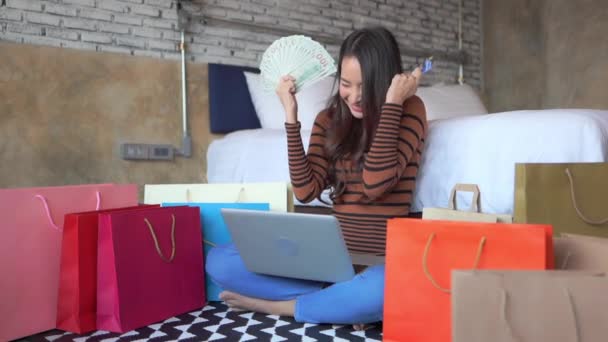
point(215, 232)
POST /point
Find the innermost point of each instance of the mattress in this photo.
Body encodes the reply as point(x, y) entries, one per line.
point(481, 149)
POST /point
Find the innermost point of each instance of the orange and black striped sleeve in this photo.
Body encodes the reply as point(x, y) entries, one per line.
point(308, 171)
point(399, 135)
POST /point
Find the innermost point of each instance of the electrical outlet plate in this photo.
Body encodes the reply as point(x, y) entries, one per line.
point(130, 151)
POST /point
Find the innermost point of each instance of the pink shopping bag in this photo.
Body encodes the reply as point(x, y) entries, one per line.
point(149, 266)
point(31, 221)
point(77, 302)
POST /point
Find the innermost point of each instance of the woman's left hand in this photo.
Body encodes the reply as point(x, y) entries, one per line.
point(403, 86)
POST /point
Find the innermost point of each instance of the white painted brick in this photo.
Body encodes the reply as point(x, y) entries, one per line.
point(146, 10)
point(11, 37)
point(147, 53)
point(113, 5)
point(83, 24)
point(320, 3)
point(349, 25)
point(320, 20)
point(169, 14)
point(278, 12)
point(307, 9)
point(146, 32)
point(128, 19)
point(253, 8)
point(24, 28)
point(160, 23)
point(114, 28)
point(162, 45)
point(114, 49)
point(39, 40)
point(90, 3)
point(60, 10)
point(299, 16)
point(216, 12)
point(160, 3)
point(30, 5)
point(96, 37)
point(10, 14)
point(342, 7)
point(95, 14)
point(229, 4)
point(40, 18)
point(335, 31)
point(173, 35)
point(79, 45)
point(135, 1)
point(62, 34)
point(240, 16)
point(206, 40)
point(265, 20)
point(131, 42)
point(290, 23)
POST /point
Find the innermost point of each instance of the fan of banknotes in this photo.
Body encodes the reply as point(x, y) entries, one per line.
point(299, 56)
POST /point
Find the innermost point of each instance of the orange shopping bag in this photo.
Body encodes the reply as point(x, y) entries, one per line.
point(420, 255)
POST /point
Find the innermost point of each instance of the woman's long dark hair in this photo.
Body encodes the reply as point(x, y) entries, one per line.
point(378, 54)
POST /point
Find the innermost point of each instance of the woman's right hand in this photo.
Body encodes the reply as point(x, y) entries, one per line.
point(286, 91)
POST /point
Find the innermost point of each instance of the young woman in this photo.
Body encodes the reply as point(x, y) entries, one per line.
point(366, 148)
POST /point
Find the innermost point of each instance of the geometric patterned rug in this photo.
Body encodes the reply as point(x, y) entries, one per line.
point(216, 322)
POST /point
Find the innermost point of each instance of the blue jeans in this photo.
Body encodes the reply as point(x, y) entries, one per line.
point(359, 300)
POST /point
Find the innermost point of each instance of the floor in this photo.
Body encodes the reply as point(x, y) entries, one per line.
point(216, 322)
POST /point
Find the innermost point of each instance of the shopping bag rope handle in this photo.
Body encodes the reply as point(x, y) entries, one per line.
point(503, 312)
point(48, 211)
point(425, 267)
point(574, 203)
point(160, 253)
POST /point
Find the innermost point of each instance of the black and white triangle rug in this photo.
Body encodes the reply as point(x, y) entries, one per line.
point(215, 322)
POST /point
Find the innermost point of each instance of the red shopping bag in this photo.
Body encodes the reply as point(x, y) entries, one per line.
point(31, 220)
point(77, 302)
point(150, 266)
point(421, 254)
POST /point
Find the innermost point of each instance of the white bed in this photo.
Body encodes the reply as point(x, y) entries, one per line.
point(480, 149)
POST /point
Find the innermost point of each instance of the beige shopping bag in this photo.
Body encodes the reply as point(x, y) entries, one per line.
point(571, 197)
point(581, 252)
point(278, 195)
point(556, 306)
point(472, 215)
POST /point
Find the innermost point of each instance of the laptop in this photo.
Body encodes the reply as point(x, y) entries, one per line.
point(294, 245)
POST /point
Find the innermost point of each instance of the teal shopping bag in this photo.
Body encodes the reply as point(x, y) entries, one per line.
point(215, 232)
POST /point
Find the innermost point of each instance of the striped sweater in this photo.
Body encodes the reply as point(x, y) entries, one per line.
point(382, 190)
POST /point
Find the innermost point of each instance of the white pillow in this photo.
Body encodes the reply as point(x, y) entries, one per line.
point(448, 101)
point(311, 100)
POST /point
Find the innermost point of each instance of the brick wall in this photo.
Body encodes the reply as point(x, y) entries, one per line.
point(238, 31)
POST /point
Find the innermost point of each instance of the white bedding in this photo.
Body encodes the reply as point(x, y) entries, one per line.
point(480, 149)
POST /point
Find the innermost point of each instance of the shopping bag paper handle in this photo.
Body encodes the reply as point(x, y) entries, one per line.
point(160, 253)
point(468, 188)
point(425, 267)
point(48, 211)
point(575, 204)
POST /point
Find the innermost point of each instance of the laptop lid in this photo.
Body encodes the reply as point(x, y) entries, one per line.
point(302, 246)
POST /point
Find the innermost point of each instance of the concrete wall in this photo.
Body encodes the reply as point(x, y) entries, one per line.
point(64, 113)
point(238, 31)
point(545, 54)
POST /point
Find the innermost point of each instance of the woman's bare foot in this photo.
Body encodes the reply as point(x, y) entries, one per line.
point(359, 327)
point(239, 302)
